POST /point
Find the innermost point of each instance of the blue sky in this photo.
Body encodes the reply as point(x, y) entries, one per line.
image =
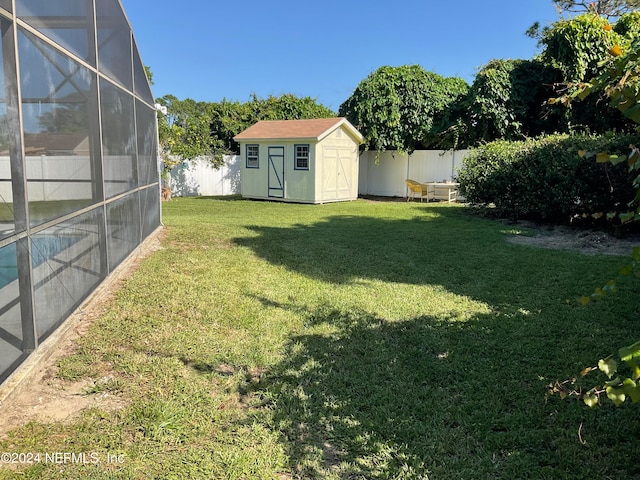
point(210, 50)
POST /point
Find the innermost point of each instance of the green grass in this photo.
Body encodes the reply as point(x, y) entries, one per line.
point(40, 211)
point(354, 340)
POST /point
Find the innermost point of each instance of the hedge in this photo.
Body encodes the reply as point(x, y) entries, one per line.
point(545, 179)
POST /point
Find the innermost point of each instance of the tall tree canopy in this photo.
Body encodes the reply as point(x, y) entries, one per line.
point(508, 98)
point(577, 47)
point(607, 8)
point(506, 101)
point(395, 107)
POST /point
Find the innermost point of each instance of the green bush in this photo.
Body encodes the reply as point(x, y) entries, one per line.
point(546, 180)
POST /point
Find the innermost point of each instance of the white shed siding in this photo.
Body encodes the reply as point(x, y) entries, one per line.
point(254, 180)
point(299, 184)
point(332, 174)
point(337, 177)
point(333, 160)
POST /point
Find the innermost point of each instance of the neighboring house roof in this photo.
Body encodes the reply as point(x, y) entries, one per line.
point(56, 143)
point(314, 129)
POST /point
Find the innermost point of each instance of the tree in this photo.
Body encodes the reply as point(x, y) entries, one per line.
point(395, 107)
point(228, 118)
point(606, 8)
point(288, 107)
point(576, 48)
point(185, 133)
point(619, 80)
point(149, 74)
point(506, 101)
point(65, 118)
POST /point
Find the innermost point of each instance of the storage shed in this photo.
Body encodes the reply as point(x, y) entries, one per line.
point(305, 161)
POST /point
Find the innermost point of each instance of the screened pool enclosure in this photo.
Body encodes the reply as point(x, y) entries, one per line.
point(78, 161)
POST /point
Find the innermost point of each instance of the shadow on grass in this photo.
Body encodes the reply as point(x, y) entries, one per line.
point(425, 398)
point(343, 248)
point(430, 396)
point(437, 246)
point(225, 198)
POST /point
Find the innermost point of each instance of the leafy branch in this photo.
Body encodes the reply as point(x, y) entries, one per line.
point(618, 388)
point(619, 79)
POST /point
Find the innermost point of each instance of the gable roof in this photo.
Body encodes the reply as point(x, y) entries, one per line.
point(313, 129)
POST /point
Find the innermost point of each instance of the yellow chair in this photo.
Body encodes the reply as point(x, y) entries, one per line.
point(417, 188)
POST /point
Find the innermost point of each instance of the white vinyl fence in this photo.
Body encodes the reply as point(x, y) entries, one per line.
point(198, 177)
point(387, 176)
point(51, 177)
point(384, 178)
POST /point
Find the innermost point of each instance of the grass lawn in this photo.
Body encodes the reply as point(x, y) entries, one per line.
point(363, 340)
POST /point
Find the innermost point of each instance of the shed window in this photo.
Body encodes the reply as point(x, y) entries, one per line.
point(252, 156)
point(302, 157)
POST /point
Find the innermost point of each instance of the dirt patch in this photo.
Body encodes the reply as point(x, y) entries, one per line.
point(34, 392)
point(53, 400)
point(586, 242)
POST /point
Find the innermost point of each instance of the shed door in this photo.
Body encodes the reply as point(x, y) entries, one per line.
point(336, 176)
point(276, 172)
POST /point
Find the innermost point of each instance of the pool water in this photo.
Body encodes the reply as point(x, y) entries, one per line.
point(42, 248)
